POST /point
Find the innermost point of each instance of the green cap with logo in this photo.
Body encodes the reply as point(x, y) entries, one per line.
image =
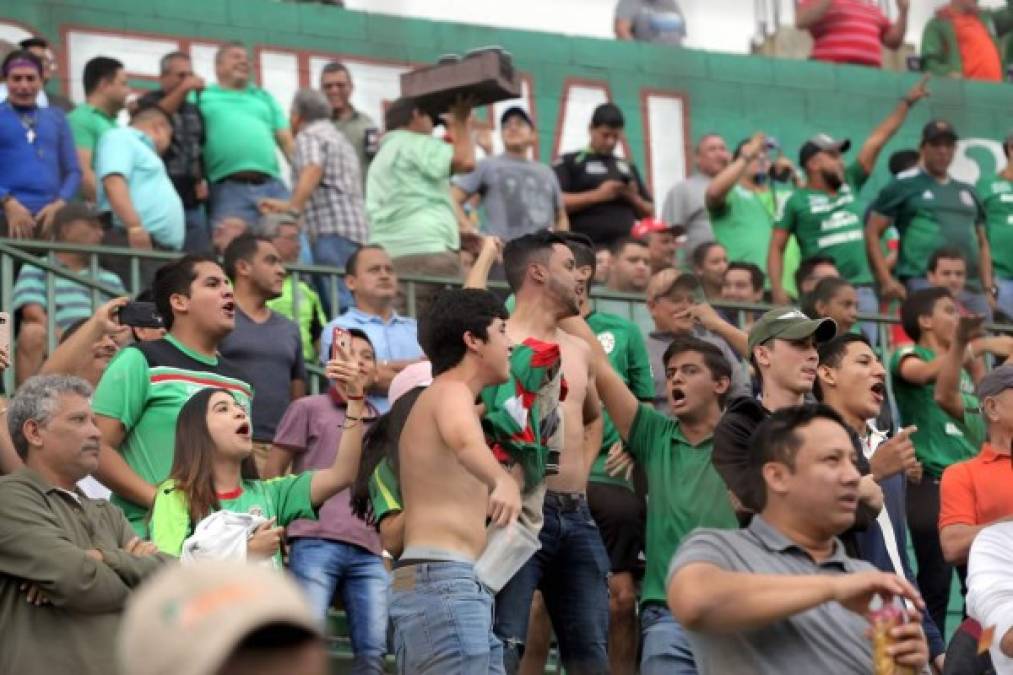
point(789, 323)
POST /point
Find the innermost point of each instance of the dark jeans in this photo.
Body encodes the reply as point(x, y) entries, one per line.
point(198, 234)
point(934, 573)
point(571, 571)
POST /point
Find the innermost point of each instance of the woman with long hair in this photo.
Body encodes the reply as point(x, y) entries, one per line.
point(213, 469)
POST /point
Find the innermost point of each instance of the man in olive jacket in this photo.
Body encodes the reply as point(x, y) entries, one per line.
point(67, 562)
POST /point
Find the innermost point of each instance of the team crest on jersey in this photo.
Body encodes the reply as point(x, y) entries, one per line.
point(607, 340)
point(966, 198)
point(623, 167)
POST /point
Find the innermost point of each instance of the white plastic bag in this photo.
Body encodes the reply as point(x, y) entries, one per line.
point(222, 536)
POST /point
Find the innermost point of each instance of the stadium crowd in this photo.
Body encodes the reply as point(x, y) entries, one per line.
point(716, 491)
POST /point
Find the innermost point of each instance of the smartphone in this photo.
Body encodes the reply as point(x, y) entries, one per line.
point(141, 315)
point(5, 332)
point(342, 338)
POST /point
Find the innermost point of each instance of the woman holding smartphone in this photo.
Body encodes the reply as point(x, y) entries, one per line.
point(213, 469)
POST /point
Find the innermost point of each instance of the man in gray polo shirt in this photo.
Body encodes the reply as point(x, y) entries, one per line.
point(782, 596)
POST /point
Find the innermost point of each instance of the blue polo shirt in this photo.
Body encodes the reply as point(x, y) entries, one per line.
point(394, 339)
point(37, 173)
point(131, 154)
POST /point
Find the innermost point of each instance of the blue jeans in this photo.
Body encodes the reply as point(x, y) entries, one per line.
point(666, 649)
point(322, 566)
point(868, 303)
point(442, 620)
point(334, 250)
point(235, 198)
point(1005, 300)
point(976, 303)
point(198, 235)
point(571, 569)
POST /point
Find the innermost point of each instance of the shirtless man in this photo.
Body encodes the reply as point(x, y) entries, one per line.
point(572, 565)
point(450, 483)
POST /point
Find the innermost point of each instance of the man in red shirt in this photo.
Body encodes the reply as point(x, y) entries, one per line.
point(851, 31)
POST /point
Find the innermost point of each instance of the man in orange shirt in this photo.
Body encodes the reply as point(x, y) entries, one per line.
point(962, 40)
point(978, 492)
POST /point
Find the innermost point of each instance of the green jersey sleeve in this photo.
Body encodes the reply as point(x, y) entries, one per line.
point(641, 378)
point(384, 491)
point(291, 497)
point(650, 433)
point(789, 218)
point(890, 201)
point(855, 176)
point(170, 519)
point(122, 393)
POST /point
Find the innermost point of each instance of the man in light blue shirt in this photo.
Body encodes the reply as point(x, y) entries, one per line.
point(135, 186)
point(371, 279)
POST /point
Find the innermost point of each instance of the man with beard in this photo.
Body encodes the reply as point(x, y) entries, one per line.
point(826, 215)
point(852, 381)
point(572, 565)
point(141, 392)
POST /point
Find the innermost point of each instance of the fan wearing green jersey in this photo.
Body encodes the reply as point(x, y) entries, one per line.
point(213, 469)
point(931, 209)
point(996, 192)
point(826, 215)
point(684, 489)
point(948, 431)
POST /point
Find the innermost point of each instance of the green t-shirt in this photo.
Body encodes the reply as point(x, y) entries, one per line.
point(311, 314)
point(996, 194)
point(408, 195)
point(832, 225)
point(940, 440)
point(144, 387)
point(286, 499)
point(684, 492)
point(384, 491)
point(929, 214)
point(240, 127)
point(624, 344)
point(88, 123)
point(744, 226)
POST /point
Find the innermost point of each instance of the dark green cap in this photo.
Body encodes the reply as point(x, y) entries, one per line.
point(789, 323)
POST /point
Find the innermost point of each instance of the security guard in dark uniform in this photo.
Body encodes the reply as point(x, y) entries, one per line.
point(604, 194)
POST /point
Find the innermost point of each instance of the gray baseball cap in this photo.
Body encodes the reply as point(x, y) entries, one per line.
point(996, 381)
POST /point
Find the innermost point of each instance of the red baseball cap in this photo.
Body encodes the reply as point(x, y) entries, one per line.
point(646, 226)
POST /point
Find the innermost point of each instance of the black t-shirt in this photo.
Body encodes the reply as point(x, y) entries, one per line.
point(584, 171)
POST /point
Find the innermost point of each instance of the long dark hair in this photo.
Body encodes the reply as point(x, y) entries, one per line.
point(379, 442)
point(193, 456)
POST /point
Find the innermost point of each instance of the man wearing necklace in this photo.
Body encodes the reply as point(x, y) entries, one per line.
point(38, 166)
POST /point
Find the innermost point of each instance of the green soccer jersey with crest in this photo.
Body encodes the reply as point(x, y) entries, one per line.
point(996, 194)
point(941, 440)
point(827, 224)
point(929, 215)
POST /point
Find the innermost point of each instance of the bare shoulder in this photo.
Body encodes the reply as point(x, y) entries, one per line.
point(573, 347)
point(448, 393)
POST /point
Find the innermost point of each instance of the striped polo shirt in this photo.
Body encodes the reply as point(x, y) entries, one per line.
point(850, 32)
point(73, 300)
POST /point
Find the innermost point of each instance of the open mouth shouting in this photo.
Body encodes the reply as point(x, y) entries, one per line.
point(678, 397)
point(229, 309)
point(243, 430)
point(878, 392)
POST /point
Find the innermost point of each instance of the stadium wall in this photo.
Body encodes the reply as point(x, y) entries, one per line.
point(670, 96)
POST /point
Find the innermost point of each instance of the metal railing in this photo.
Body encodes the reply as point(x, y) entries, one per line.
point(42, 255)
